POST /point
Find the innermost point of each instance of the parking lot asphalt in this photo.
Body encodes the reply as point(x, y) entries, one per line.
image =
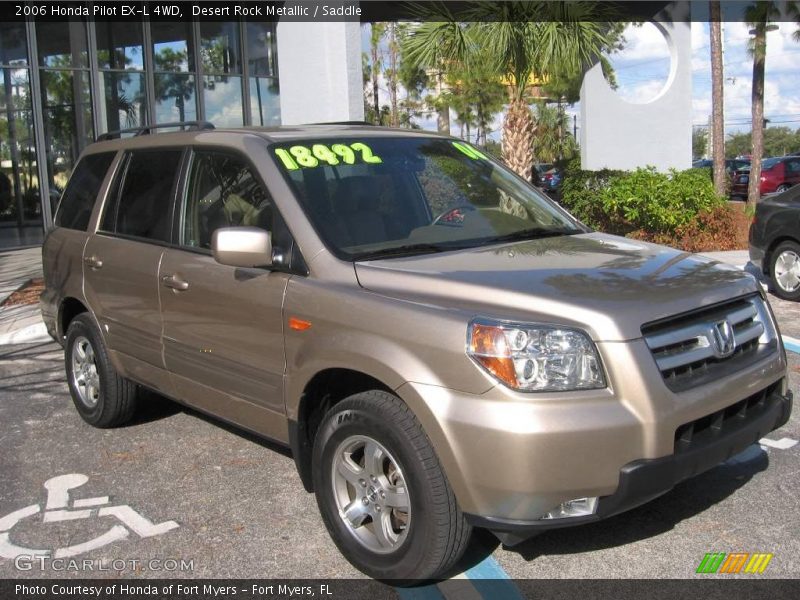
point(188, 497)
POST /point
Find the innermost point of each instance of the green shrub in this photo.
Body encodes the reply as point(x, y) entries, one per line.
point(621, 202)
point(580, 191)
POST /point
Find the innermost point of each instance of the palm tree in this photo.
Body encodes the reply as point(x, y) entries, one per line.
point(758, 17)
point(376, 34)
point(528, 42)
point(717, 110)
point(551, 141)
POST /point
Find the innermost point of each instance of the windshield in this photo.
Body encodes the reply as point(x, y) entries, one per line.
point(380, 197)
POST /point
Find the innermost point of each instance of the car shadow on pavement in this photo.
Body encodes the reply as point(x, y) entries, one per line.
point(155, 406)
point(686, 500)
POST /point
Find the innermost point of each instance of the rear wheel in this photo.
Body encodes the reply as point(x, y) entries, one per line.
point(785, 270)
point(101, 396)
point(782, 188)
point(382, 492)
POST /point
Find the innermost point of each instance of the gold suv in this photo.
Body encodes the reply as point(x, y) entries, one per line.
point(441, 346)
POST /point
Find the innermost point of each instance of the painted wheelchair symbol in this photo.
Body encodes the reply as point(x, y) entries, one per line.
point(57, 508)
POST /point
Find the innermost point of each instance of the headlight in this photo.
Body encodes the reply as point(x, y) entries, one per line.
point(535, 358)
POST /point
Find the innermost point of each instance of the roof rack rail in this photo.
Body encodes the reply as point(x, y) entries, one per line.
point(148, 129)
point(343, 123)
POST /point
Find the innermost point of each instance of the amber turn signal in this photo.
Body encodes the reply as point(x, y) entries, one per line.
point(488, 346)
point(299, 324)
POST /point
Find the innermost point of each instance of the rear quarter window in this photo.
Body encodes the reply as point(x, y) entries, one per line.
point(78, 200)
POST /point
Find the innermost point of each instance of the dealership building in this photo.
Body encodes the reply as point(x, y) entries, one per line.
point(65, 83)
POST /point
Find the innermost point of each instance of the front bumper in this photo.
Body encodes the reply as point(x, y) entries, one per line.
point(512, 457)
point(757, 256)
point(643, 480)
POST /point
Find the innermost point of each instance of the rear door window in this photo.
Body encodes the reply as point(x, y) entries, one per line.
point(144, 205)
point(76, 205)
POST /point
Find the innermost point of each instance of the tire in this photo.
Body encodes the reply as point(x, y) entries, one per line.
point(103, 398)
point(784, 270)
point(782, 188)
point(435, 534)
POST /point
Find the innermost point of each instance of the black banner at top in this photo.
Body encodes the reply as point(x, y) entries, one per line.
point(366, 11)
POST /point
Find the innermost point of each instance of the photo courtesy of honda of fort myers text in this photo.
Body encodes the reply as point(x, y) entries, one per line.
point(399, 300)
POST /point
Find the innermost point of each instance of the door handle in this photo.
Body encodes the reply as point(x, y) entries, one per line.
point(172, 281)
point(93, 261)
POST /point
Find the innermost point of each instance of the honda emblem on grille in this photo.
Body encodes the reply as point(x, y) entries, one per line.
point(722, 339)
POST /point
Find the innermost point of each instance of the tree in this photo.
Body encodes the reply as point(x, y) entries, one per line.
point(700, 144)
point(758, 17)
point(552, 141)
point(413, 79)
point(476, 96)
point(391, 74)
point(717, 99)
point(528, 42)
point(377, 31)
point(778, 141)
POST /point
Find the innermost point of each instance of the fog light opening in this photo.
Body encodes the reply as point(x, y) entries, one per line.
point(579, 507)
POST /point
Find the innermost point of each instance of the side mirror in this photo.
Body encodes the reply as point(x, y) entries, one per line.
point(242, 247)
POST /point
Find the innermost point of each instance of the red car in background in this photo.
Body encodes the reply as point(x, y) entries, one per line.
point(777, 175)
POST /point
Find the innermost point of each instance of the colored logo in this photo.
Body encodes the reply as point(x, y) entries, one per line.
point(735, 562)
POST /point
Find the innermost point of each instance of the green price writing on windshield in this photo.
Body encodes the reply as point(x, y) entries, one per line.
point(470, 151)
point(308, 157)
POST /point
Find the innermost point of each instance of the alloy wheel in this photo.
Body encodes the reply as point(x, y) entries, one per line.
point(85, 378)
point(370, 492)
point(787, 271)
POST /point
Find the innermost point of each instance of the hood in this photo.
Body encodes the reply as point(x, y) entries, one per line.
point(605, 284)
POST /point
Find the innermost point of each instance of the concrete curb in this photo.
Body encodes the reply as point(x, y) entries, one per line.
point(27, 335)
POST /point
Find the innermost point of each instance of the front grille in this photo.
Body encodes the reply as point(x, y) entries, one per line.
point(723, 422)
point(693, 348)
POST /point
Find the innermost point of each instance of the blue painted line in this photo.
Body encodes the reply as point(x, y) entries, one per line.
point(492, 582)
point(791, 345)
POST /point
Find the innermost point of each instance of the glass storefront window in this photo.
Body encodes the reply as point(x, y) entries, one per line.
point(119, 46)
point(62, 45)
point(220, 52)
point(265, 105)
point(125, 101)
point(67, 111)
point(261, 49)
point(175, 97)
point(223, 97)
point(13, 49)
point(19, 178)
point(219, 48)
point(172, 47)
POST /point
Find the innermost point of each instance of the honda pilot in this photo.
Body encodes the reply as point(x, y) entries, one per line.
point(441, 346)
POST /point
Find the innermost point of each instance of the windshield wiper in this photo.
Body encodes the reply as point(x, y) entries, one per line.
point(409, 249)
point(530, 234)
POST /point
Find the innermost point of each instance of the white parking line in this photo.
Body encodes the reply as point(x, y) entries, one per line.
point(781, 444)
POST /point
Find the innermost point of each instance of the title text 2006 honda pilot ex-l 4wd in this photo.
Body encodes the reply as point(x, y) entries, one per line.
point(440, 345)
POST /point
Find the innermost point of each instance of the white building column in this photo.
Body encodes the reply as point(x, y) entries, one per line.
point(319, 68)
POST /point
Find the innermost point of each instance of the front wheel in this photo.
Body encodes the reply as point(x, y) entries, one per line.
point(784, 270)
point(382, 492)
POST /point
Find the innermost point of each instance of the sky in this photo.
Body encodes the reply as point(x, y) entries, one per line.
point(643, 66)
